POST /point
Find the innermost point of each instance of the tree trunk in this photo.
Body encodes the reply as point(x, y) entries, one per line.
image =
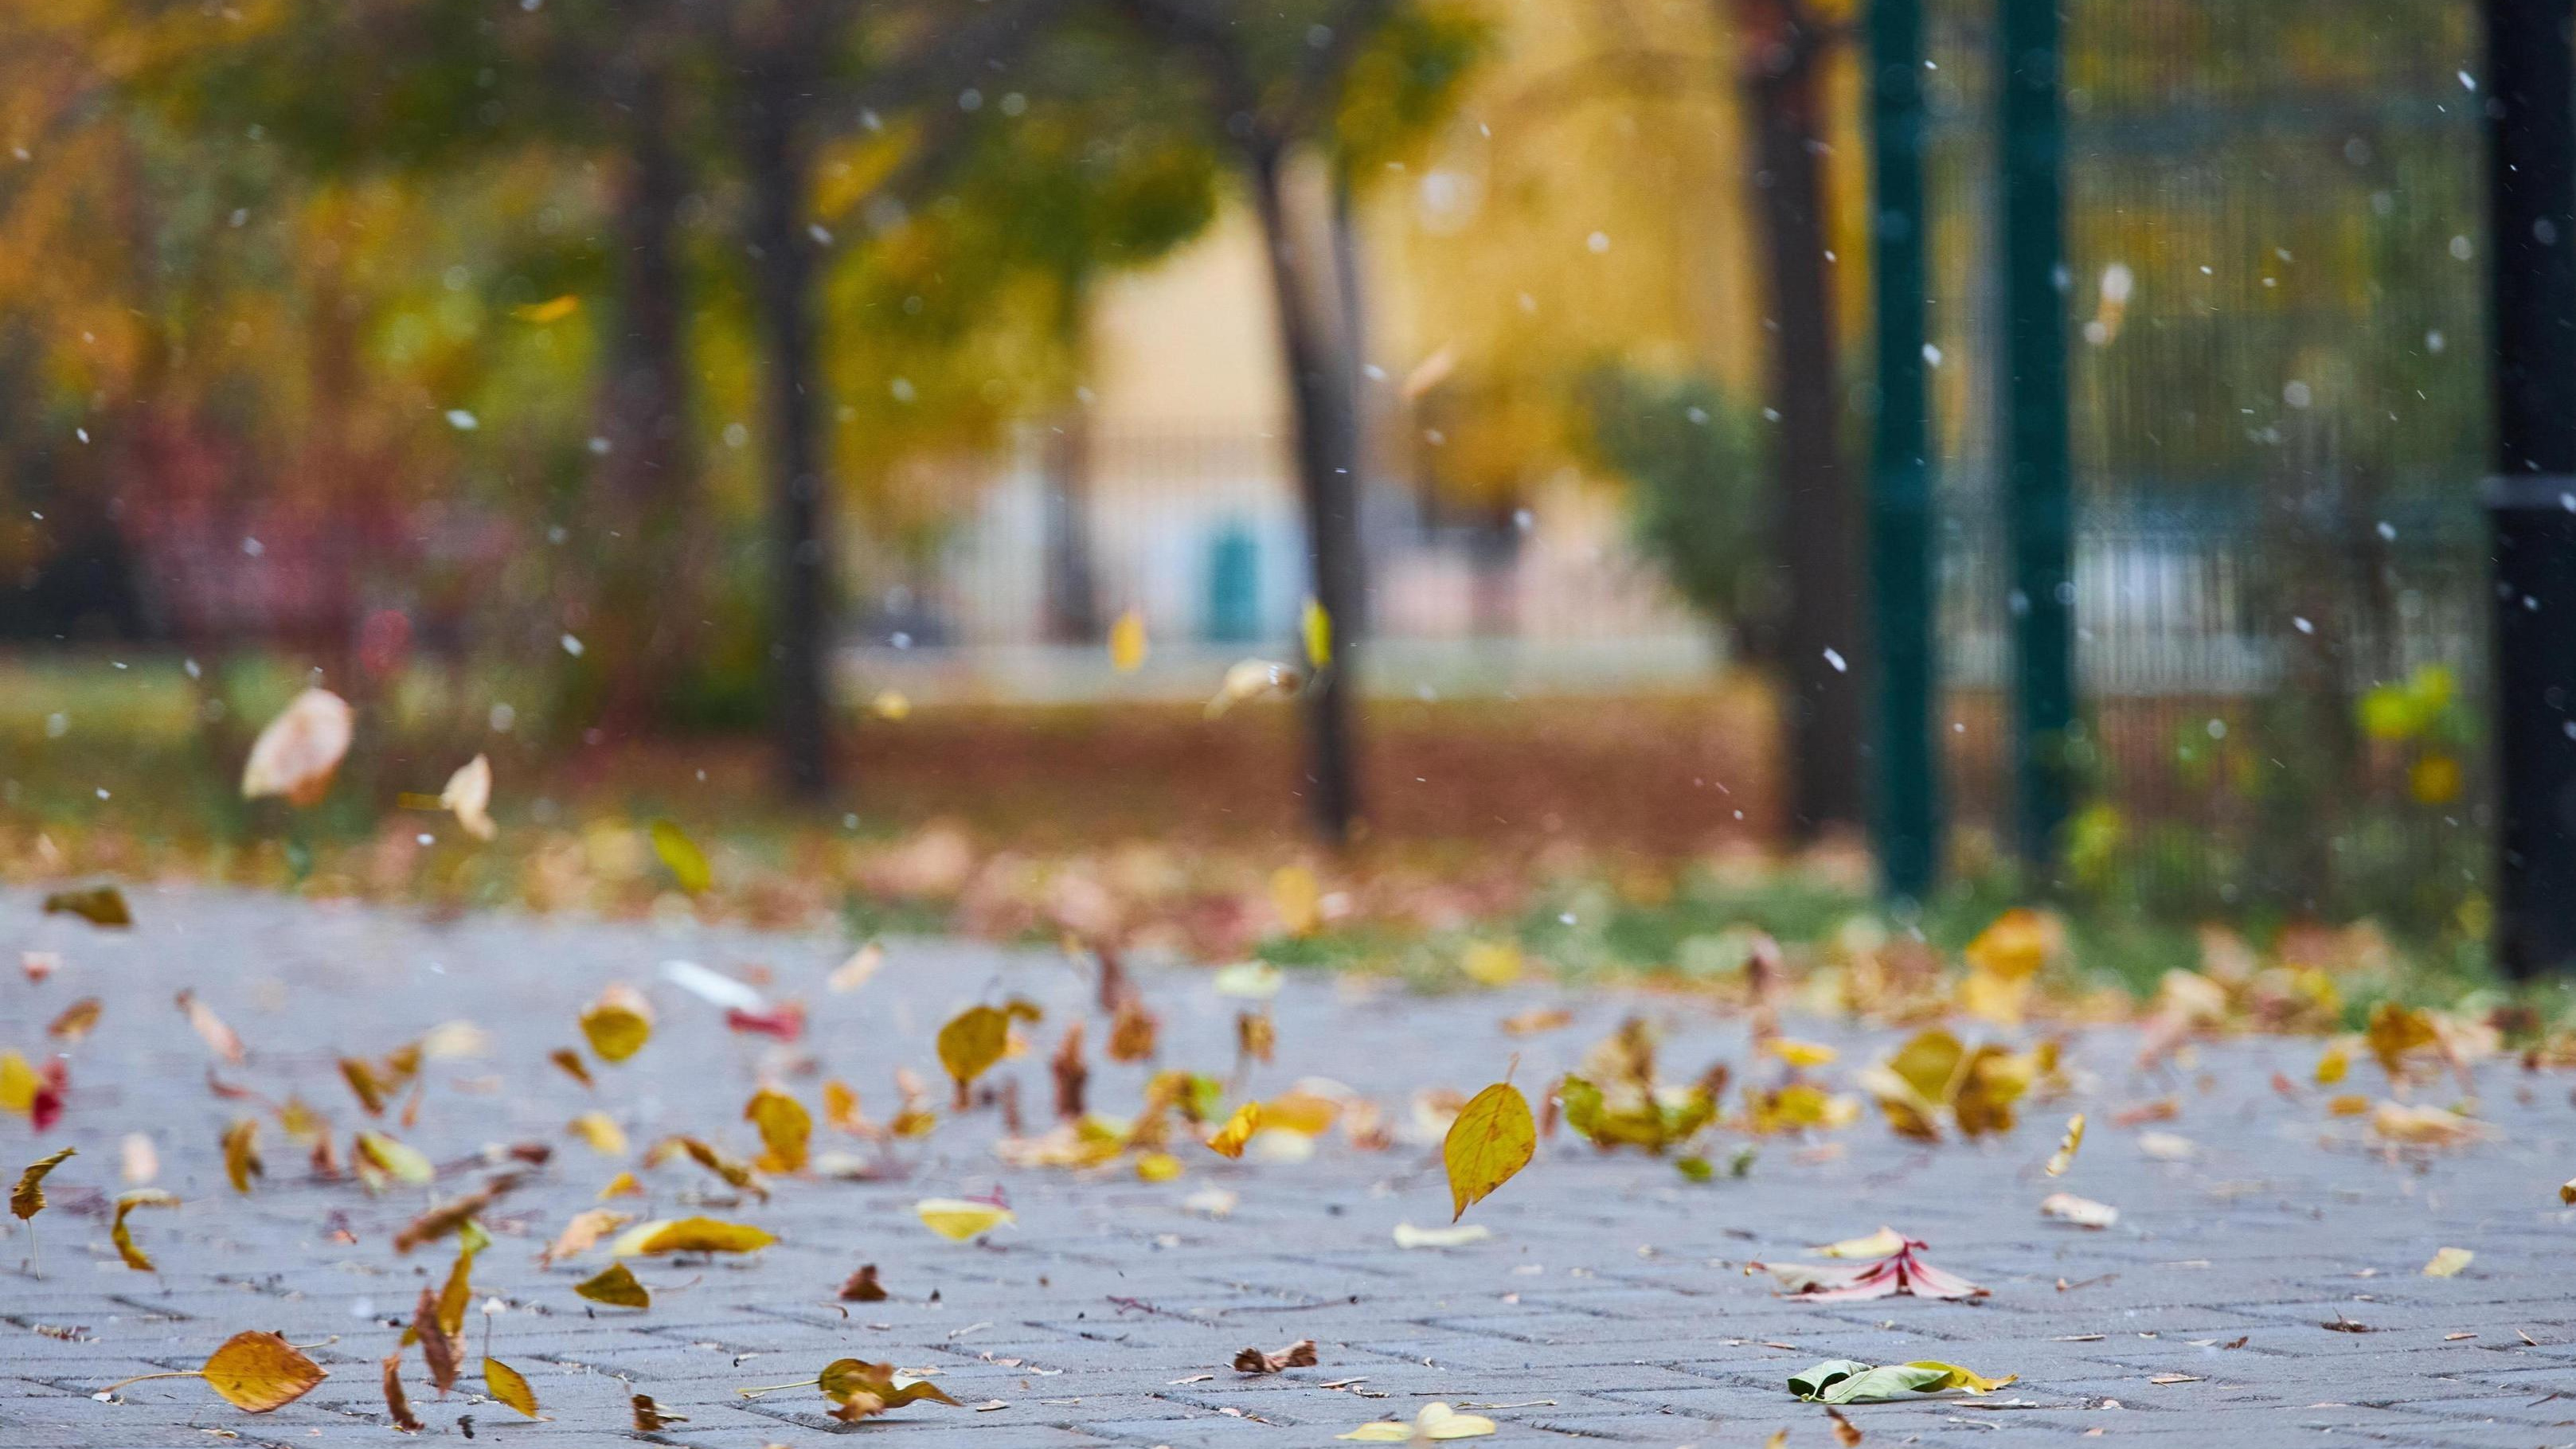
point(774, 164)
point(648, 602)
point(1819, 524)
point(1072, 583)
point(1322, 400)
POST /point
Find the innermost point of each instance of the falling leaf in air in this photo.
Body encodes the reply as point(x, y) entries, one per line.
point(1132, 1031)
point(570, 1061)
point(1933, 1082)
point(378, 1154)
point(1315, 628)
point(1846, 1433)
point(1536, 1020)
point(509, 1386)
point(2396, 1030)
point(76, 1021)
point(1436, 1422)
point(1409, 1236)
point(1071, 1075)
point(622, 1185)
point(102, 905)
point(682, 858)
point(2567, 1192)
point(18, 1082)
point(297, 752)
point(958, 1219)
point(1127, 642)
point(785, 1129)
point(972, 1041)
point(618, 1024)
point(398, 1403)
point(2064, 1157)
point(210, 1028)
point(862, 1286)
point(2001, 962)
point(2083, 1212)
point(649, 1415)
point(2448, 1262)
point(600, 1133)
point(553, 309)
point(852, 974)
point(2332, 1064)
point(1229, 1139)
point(123, 1237)
point(616, 1286)
point(688, 1235)
point(586, 1228)
point(1251, 679)
point(737, 1175)
point(1493, 1138)
point(28, 1198)
point(469, 795)
point(2425, 1125)
point(241, 1153)
point(891, 705)
point(451, 1215)
point(440, 1350)
point(253, 1370)
point(1900, 1272)
point(1300, 1354)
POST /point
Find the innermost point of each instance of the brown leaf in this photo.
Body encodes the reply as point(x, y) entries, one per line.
point(862, 1389)
point(99, 905)
point(1132, 1031)
point(649, 1415)
point(260, 1371)
point(737, 1175)
point(1256, 1036)
point(117, 1232)
point(28, 1199)
point(1300, 1354)
point(448, 1216)
point(76, 1020)
point(509, 1386)
point(438, 1348)
point(397, 1403)
point(1846, 1433)
point(689, 1235)
point(1071, 1075)
point(570, 1061)
point(863, 1287)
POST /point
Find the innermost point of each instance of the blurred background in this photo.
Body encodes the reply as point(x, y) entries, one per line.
point(869, 430)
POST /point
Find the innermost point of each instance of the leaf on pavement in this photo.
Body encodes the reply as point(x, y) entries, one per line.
point(862, 1286)
point(509, 1386)
point(649, 1415)
point(260, 1371)
point(99, 905)
point(1436, 1422)
point(688, 1235)
point(398, 1403)
point(586, 1228)
point(1844, 1381)
point(122, 1236)
point(439, 1348)
point(958, 1219)
point(1493, 1138)
point(2448, 1262)
point(2083, 1212)
point(1300, 1354)
point(616, 1286)
point(1409, 1236)
point(1875, 1245)
point(601, 1132)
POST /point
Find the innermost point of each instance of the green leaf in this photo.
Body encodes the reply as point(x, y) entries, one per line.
point(682, 858)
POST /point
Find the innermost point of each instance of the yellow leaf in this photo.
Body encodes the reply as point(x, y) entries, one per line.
point(587, 1227)
point(1491, 963)
point(297, 752)
point(2448, 1263)
point(958, 1219)
point(1238, 1130)
point(1158, 1167)
point(1301, 1111)
point(553, 309)
point(98, 905)
point(2332, 1064)
point(1955, 1377)
point(509, 1386)
point(682, 858)
point(1316, 627)
point(2013, 947)
point(601, 1132)
point(1492, 1138)
point(241, 1153)
point(1127, 642)
point(1800, 1053)
point(737, 1175)
point(618, 1024)
point(2424, 1126)
point(2349, 1104)
point(785, 1128)
point(261, 1371)
point(1436, 1422)
point(117, 1232)
point(972, 1041)
point(2064, 1157)
point(18, 1082)
point(622, 1185)
point(394, 1159)
point(29, 1197)
point(688, 1235)
point(616, 1286)
point(1298, 898)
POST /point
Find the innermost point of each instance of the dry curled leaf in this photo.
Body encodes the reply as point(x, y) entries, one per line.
point(618, 1024)
point(439, 1348)
point(28, 1198)
point(649, 1415)
point(241, 1153)
point(1493, 1138)
point(862, 1389)
point(616, 1286)
point(862, 1286)
point(509, 1386)
point(1229, 1139)
point(297, 751)
point(123, 1237)
point(398, 1403)
point(1300, 1354)
point(76, 1021)
point(99, 905)
point(260, 1371)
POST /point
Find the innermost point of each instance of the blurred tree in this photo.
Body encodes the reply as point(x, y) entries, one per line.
point(1304, 97)
point(1702, 499)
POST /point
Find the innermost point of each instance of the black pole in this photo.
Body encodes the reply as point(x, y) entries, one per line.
point(2531, 502)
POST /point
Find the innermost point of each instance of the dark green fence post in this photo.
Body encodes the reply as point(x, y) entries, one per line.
point(1900, 499)
point(2036, 488)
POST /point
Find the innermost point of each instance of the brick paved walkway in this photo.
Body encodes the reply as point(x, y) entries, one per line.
point(1609, 1304)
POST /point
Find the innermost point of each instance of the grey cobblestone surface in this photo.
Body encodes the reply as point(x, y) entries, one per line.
point(1609, 1306)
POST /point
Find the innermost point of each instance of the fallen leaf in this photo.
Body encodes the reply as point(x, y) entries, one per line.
point(600, 1132)
point(76, 1021)
point(241, 1153)
point(2174, 1379)
point(618, 1024)
point(1901, 1272)
point(973, 1041)
point(398, 1403)
point(1409, 1236)
point(469, 795)
point(297, 751)
point(260, 1371)
point(509, 1386)
point(1800, 1053)
point(682, 858)
point(1228, 1140)
point(2448, 1262)
point(122, 1236)
point(210, 1028)
point(958, 1219)
point(785, 1129)
point(1435, 1422)
point(1493, 1138)
point(1300, 1354)
point(2083, 1212)
point(616, 1286)
point(864, 1389)
point(862, 1286)
point(1844, 1381)
point(649, 1415)
point(2064, 1157)
point(102, 905)
point(852, 974)
point(1251, 679)
point(1873, 1246)
point(2340, 1323)
point(586, 1228)
point(28, 1198)
point(689, 1235)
